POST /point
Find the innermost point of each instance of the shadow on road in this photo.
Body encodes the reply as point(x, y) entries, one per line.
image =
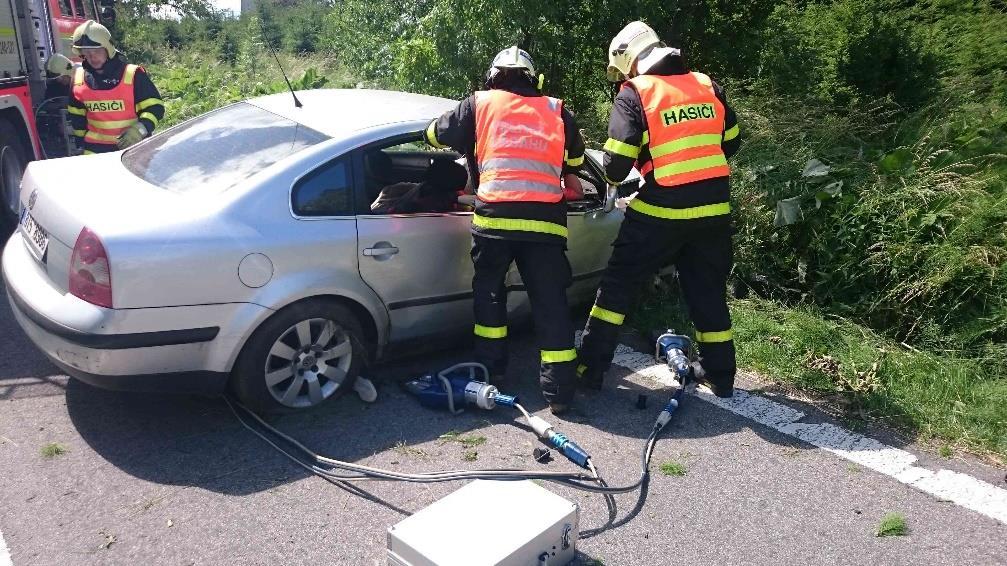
point(196, 441)
point(24, 370)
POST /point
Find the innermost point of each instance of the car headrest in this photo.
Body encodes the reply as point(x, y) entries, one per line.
point(446, 175)
point(377, 164)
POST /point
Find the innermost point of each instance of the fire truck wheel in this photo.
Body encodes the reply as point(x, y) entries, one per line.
point(12, 164)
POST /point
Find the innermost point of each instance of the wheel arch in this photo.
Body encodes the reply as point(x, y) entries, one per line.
point(362, 314)
point(12, 112)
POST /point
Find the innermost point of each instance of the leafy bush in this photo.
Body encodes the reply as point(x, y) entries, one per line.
point(845, 51)
point(909, 239)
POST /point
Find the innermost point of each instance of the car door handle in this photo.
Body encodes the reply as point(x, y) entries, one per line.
point(381, 251)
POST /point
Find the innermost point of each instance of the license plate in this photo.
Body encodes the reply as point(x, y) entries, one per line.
point(38, 239)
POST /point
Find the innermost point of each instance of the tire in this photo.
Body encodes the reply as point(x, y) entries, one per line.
point(283, 366)
point(13, 160)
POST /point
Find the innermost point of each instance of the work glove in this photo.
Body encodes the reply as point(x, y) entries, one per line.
point(133, 135)
point(59, 65)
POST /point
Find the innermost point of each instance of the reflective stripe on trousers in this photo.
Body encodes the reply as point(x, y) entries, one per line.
point(519, 224)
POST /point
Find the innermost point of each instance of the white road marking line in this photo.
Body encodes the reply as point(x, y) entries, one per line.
point(961, 489)
point(4, 553)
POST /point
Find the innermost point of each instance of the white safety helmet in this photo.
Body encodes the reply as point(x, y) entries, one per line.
point(512, 58)
point(92, 35)
point(634, 39)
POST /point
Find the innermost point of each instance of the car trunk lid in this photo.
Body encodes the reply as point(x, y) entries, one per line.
point(65, 195)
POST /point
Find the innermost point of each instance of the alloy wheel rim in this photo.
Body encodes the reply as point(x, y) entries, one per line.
point(308, 363)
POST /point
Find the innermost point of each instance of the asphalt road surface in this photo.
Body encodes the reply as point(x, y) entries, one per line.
point(150, 479)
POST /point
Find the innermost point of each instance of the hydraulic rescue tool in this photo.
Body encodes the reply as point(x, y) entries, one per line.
point(676, 350)
point(454, 388)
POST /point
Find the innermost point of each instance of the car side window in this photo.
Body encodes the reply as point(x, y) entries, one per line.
point(405, 176)
point(324, 192)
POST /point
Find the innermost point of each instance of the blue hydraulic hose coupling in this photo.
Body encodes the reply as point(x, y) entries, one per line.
point(667, 411)
point(505, 400)
point(574, 453)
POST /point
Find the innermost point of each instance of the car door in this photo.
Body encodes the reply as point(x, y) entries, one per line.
point(591, 233)
point(419, 263)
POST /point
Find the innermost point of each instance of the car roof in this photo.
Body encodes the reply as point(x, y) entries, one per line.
point(338, 112)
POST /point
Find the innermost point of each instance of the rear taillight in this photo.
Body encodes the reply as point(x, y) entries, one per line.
point(90, 274)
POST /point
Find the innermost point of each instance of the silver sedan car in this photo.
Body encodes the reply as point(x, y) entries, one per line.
point(239, 250)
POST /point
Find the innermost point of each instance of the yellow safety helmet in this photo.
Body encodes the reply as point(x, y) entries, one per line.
point(92, 35)
point(634, 39)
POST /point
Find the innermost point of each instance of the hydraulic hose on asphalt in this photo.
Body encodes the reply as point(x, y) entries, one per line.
point(322, 466)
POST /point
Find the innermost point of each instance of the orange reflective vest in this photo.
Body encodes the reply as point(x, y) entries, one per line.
point(519, 147)
point(109, 112)
point(685, 123)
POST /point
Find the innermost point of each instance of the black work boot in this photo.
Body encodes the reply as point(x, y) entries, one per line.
point(560, 400)
point(589, 379)
point(559, 408)
point(721, 383)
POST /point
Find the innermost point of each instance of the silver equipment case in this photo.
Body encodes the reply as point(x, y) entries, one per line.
point(488, 523)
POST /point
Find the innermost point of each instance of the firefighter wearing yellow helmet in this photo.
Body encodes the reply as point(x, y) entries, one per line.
point(113, 104)
point(676, 127)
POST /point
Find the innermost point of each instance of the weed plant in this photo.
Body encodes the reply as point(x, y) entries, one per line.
point(910, 240)
point(860, 373)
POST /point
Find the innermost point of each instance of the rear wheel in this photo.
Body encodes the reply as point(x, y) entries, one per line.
point(304, 355)
point(12, 163)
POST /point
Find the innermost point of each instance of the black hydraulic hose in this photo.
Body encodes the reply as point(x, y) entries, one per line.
point(364, 473)
point(369, 473)
point(644, 472)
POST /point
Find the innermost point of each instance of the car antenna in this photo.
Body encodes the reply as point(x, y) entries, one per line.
point(265, 40)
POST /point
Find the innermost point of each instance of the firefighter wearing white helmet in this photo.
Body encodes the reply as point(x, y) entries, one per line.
point(113, 104)
point(677, 128)
point(519, 144)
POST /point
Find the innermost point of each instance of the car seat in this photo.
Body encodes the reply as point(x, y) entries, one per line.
point(379, 171)
point(442, 182)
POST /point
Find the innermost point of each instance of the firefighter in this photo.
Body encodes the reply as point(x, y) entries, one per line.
point(113, 104)
point(676, 126)
point(518, 145)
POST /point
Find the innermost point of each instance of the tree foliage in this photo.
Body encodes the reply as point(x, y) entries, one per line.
point(905, 101)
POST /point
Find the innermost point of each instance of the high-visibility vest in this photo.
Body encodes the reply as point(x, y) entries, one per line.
point(685, 123)
point(519, 147)
point(109, 112)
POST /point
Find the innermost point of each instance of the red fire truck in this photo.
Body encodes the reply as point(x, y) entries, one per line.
point(33, 123)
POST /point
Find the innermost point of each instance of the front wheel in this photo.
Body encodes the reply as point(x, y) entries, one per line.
point(299, 358)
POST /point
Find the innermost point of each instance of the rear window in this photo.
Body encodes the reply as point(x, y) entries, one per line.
point(219, 149)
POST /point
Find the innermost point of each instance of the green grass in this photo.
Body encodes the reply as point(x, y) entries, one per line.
point(892, 525)
point(406, 450)
point(673, 469)
point(467, 441)
point(470, 456)
point(52, 450)
point(958, 401)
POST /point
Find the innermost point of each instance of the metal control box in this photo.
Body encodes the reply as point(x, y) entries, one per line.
point(488, 523)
